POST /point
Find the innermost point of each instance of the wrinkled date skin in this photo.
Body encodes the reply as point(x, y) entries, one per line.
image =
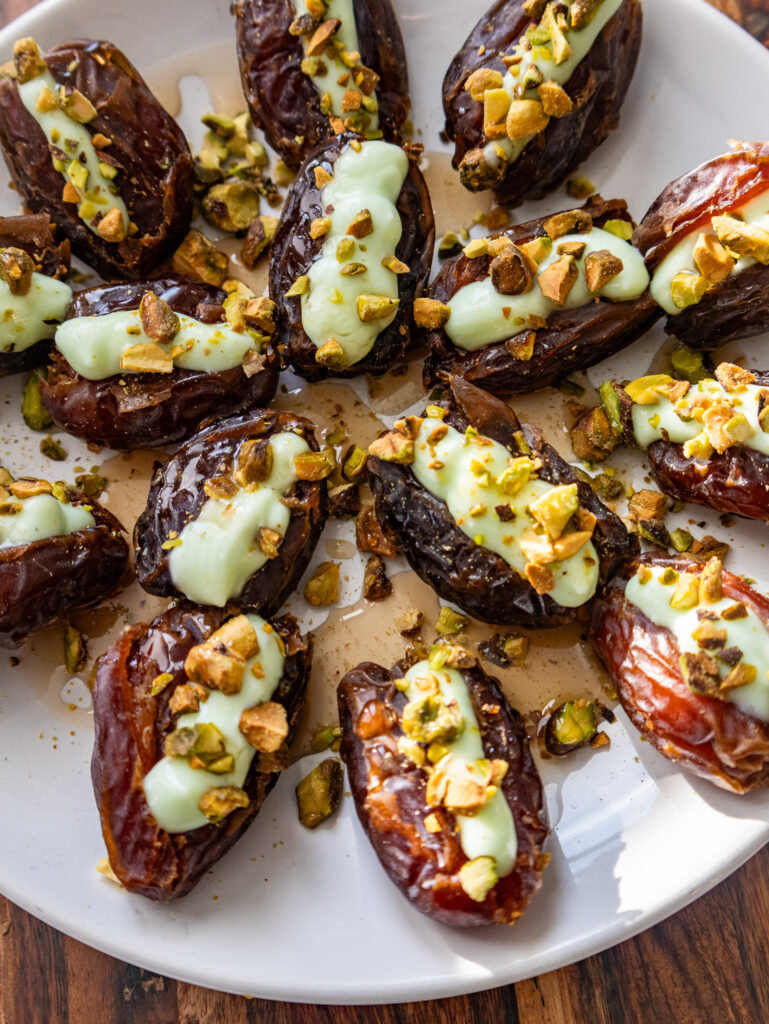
point(294, 250)
point(131, 726)
point(597, 88)
point(284, 101)
point(710, 737)
point(738, 307)
point(155, 168)
point(140, 410)
point(176, 497)
point(573, 339)
point(38, 237)
point(47, 579)
point(389, 794)
point(458, 569)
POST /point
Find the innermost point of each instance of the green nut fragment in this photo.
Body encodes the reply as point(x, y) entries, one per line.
point(322, 588)
point(91, 484)
point(324, 738)
point(429, 719)
point(75, 649)
point(32, 408)
point(621, 228)
point(78, 107)
point(688, 364)
point(687, 289)
point(231, 206)
point(478, 876)
point(376, 307)
point(580, 187)
point(354, 463)
point(300, 287)
point(199, 259)
point(78, 175)
point(593, 438)
point(27, 60)
point(53, 449)
point(313, 466)
point(160, 682)
point(505, 650)
point(571, 726)
point(219, 801)
point(554, 508)
point(449, 245)
point(450, 622)
point(318, 794)
point(16, 269)
point(259, 238)
point(345, 250)
point(221, 126)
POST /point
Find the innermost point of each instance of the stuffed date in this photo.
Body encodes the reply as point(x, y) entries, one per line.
point(353, 248)
point(445, 786)
point(535, 88)
point(310, 71)
point(192, 715)
point(86, 141)
point(687, 646)
point(235, 514)
point(59, 551)
point(491, 516)
point(522, 309)
point(145, 364)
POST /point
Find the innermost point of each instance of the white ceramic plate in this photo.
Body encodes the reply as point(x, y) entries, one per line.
point(295, 915)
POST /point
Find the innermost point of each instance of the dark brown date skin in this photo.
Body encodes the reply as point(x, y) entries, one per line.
point(597, 88)
point(176, 497)
point(710, 737)
point(48, 579)
point(389, 794)
point(131, 726)
point(294, 250)
point(573, 339)
point(38, 237)
point(143, 410)
point(284, 101)
point(458, 569)
point(738, 307)
point(155, 168)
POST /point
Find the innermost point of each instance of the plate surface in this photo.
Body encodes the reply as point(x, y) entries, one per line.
point(295, 915)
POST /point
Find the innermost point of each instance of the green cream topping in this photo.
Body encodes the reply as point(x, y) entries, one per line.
point(27, 319)
point(218, 551)
point(474, 475)
point(369, 179)
point(481, 316)
point(173, 789)
point(80, 163)
point(747, 634)
point(41, 516)
point(93, 345)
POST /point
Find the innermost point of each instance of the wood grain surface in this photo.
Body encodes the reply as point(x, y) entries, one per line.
point(709, 964)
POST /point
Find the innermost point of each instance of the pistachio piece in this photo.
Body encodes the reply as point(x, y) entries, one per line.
point(570, 727)
point(647, 504)
point(361, 225)
point(732, 377)
point(319, 792)
point(431, 314)
point(28, 487)
point(27, 60)
point(321, 37)
point(255, 461)
point(371, 537)
point(496, 103)
point(159, 321)
point(581, 12)
point(395, 265)
point(75, 649)
point(53, 449)
point(540, 577)
point(711, 589)
point(556, 102)
point(477, 877)
point(568, 223)
point(111, 226)
point(231, 206)
point(78, 107)
point(450, 622)
point(537, 249)
point(619, 228)
point(199, 259)
point(376, 585)
point(344, 501)
point(269, 541)
point(220, 487)
point(580, 187)
point(219, 801)
point(320, 226)
point(354, 463)
point(312, 466)
point(393, 447)
point(482, 80)
point(743, 239)
point(575, 249)
point(376, 307)
point(505, 650)
point(687, 289)
point(322, 588)
point(149, 358)
point(525, 118)
point(16, 269)
point(477, 174)
point(185, 698)
point(557, 280)
point(712, 259)
point(265, 726)
point(601, 266)
point(430, 719)
point(32, 409)
point(592, 436)
point(214, 666)
point(259, 237)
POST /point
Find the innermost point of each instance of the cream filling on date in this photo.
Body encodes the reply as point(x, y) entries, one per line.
point(481, 316)
point(94, 345)
point(367, 179)
point(173, 789)
point(581, 42)
point(27, 319)
point(40, 517)
point(464, 471)
point(490, 832)
point(97, 192)
point(680, 259)
point(748, 634)
point(219, 550)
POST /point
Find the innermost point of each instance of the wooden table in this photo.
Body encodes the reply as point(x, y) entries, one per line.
point(707, 965)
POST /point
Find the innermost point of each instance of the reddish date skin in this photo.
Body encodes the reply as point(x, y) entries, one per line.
point(155, 168)
point(130, 729)
point(738, 307)
point(48, 579)
point(142, 410)
point(294, 250)
point(176, 496)
point(389, 794)
point(284, 101)
point(458, 569)
point(709, 737)
point(597, 88)
point(573, 339)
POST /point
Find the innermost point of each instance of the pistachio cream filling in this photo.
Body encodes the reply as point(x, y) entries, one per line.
point(724, 644)
point(350, 293)
point(24, 520)
point(33, 316)
point(208, 756)
point(734, 240)
point(240, 526)
point(707, 417)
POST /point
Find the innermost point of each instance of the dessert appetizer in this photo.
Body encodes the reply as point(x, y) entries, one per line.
point(144, 364)
point(687, 646)
point(353, 247)
point(86, 141)
point(235, 514)
point(445, 786)
point(315, 68)
point(535, 88)
point(59, 551)
point(706, 243)
point(706, 442)
point(491, 516)
point(193, 715)
point(522, 309)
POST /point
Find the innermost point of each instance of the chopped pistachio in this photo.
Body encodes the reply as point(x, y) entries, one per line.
point(16, 269)
point(477, 877)
point(592, 437)
point(712, 260)
point(554, 508)
point(431, 314)
point(450, 622)
point(354, 463)
point(376, 585)
point(687, 289)
point(265, 726)
point(621, 228)
point(320, 226)
point(75, 649)
point(647, 504)
point(558, 279)
point(580, 187)
point(111, 226)
point(313, 466)
point(429, 719)
point(601, 266)
point(78, 107)
point(53, 449)
point(393, 447)
point(159, 321)
point(688, 364)
point(300, 287)
point(27, 60)
point(259, 237)
point(160, 682)
point(32, 409)
point(322, 588)
point(570, 726)
point(199, 259)
point(146, 359)
point(231, 206)
point(505, 650)
point(743, 239)
point(569, 222)
point(395, 265)
point(481, 80)
point(219, 801)
point(556, 102)
point(319, 792)
point(525, 117)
